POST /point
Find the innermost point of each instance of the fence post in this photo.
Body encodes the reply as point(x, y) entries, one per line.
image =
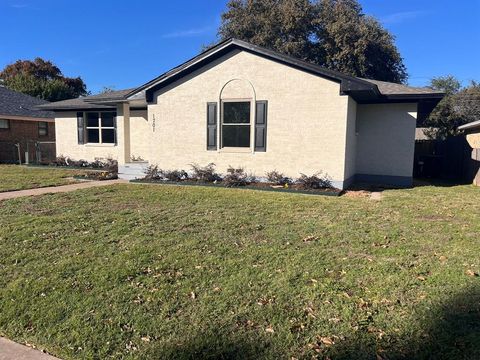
point(19, 153)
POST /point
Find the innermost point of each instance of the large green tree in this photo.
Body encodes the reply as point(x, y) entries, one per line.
point(332, 33)
point(458, 107)
point(42, 79)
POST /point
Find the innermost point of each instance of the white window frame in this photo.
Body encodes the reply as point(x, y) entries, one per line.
point(250, 124)
point(100, 127)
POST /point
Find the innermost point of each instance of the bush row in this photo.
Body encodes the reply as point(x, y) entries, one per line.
point(236, 177)
point(109, 165)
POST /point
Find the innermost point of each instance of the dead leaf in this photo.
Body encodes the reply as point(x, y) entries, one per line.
point(326, 340)
point(269, 330)
point(421, 278)
point(310, 238)
point(470, 272)
point(216, 289)
point(146, 338)
point(193, 295)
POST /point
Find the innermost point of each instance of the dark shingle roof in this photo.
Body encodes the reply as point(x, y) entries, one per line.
point(388, 88)
point(87, 102)
point(13, 103)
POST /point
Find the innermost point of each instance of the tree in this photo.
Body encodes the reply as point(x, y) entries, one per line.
point(331, 33)
point(458, 107)
point(284, 26)
point(107, 89)
point(448, 84)
point(42, 79)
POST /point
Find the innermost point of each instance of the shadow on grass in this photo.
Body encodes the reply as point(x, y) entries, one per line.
point(214, 345)
point(449, 331)
point(417, 182)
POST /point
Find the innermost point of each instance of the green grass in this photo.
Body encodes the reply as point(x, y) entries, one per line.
point(159, 272)
point(16, 177)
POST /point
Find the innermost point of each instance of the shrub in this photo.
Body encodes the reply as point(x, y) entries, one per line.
point(278, 178)
point(236, 177)
point(136, 158)
point(110, 165)
point(315, 181)
point(205, 173)
point(152, 172)
point(60, 161)
point(174, 175)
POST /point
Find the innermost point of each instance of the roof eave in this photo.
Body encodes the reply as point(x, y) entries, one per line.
point(471, 125)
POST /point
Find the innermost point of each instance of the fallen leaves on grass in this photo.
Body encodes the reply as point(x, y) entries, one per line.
point(269, 330)
point(310, 238)
point(470, 272)
point(265, 301)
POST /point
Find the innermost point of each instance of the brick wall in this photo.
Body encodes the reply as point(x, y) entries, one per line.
point(25, 133)
point(26, 130)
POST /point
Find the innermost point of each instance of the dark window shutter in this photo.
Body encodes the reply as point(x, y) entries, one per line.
point(115, 129)
point(81, 128)
point(211, 126)
point(261, 126)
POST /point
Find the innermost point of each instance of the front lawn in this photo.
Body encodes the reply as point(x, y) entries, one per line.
point(161, 272)
point(16, 177)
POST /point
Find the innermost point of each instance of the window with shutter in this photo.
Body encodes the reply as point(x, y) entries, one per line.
point(236, 124)
point(99, 128)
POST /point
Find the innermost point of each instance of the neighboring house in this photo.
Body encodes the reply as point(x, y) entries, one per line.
point(241, 105)
point(22, 125)
point(472, 133)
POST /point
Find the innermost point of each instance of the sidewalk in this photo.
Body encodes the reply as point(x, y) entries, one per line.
point(58, 189)
point(10, 350)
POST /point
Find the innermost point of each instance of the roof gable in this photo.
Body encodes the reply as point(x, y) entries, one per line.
point(362, 90)
point(347, 82)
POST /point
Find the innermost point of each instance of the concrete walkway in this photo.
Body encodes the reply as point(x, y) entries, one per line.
point(10, 350)
point(58, 189)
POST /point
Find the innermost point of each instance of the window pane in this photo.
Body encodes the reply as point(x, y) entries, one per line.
point(92, 119)
point(92, 136)
point(236, 135)
point(42, 128)
point(4, 124)
point(108, 136)
point(236, 112)
point(107, 119)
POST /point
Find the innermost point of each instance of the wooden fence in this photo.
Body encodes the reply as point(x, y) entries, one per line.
point(451, 159)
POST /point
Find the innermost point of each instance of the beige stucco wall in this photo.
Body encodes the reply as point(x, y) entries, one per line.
point(67, 142)
point(306, 125)
point(385, 139)
point(140, 133)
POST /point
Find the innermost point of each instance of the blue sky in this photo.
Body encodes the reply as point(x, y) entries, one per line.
point(123, 44)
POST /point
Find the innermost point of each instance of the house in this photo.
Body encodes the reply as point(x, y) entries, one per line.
point(23, 127)
point(241, 105)
point(472, 133)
